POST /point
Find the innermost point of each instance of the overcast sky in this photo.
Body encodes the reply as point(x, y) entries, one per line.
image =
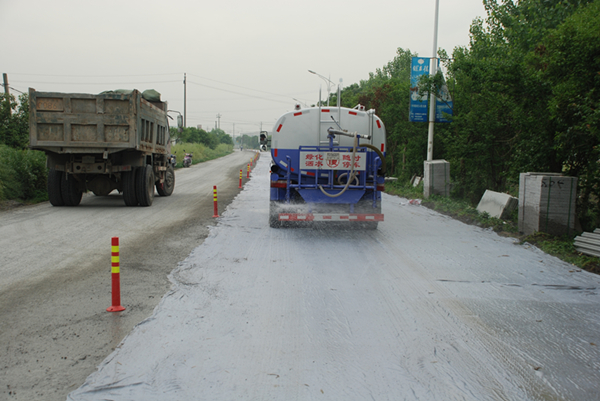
point(245, 60)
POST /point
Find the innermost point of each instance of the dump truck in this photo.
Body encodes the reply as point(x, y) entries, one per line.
point(328, 166)
point(116, 140)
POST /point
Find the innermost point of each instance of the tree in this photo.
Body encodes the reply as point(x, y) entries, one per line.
point(569, 60)
point(387, 91)
point(221, 136)
point(14, 121)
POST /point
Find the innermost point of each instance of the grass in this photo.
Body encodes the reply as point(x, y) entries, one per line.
point(201, 152)
point(560, 247)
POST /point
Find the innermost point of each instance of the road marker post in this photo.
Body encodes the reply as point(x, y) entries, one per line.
point(215, 199)
point(240, 178)
point(248, 173)
point(116, 277)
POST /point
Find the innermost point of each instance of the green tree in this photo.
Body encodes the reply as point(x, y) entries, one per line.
point(501, 124)
point(568, 59)
point(387, 91)
point(221, 136)
point(14, 121)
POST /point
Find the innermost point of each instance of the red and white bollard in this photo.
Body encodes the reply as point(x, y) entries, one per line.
point(215, 198)
point(116, 277)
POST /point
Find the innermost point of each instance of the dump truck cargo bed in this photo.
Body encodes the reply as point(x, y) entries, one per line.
point(87, 123)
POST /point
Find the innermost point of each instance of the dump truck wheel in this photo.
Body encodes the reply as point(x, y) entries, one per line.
point(129, 196)
point(71, 194)
point(144, 186)
point(54, 192)
point(166, 187)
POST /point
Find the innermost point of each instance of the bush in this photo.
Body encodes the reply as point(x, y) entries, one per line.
point(23, 175)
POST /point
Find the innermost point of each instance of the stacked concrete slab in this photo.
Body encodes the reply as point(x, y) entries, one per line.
point(588, 243)
point(436, 180)
point(497, 204)
point(547, 203)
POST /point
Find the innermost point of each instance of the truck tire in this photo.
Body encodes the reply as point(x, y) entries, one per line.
point(71, 193)
point(54, 192)
point(129, 195)
point(366, 206)
point(274, 221)
point(166, 187)
point(144, 185)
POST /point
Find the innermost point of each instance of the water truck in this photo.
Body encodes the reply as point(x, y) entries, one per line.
point(328, 165)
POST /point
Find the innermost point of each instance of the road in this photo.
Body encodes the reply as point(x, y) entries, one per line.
point(423, 308)
point(55, 269)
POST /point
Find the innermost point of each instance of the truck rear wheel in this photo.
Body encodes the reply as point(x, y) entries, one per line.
point(129, 196)
point(274, 215)
point(166, 187)
point(144, 186)
point(71, 193)
point(54, 192)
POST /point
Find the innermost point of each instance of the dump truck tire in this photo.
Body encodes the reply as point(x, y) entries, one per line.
point(54, 191)
point(166, 187)
point(71, 194)
point(129, 196)
point(144, 185)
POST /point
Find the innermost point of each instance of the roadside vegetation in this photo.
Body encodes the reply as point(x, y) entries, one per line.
point(23, 175)
point(201, 152)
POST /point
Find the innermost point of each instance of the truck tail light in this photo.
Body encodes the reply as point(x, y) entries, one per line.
point(381, 188)
point(278, 184)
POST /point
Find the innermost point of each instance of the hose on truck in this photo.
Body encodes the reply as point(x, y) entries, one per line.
point(352, 176)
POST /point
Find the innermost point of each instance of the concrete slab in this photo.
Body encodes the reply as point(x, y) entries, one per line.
point(497, 204)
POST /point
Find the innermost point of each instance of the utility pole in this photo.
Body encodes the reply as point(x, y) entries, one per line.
point(432, 71)
point(219, 119)
point(184, 101)
point(7, 92)
point(436, 174)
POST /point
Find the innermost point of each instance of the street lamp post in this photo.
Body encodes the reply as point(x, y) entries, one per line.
point(327, 81)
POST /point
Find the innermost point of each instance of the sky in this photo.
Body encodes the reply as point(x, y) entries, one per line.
point(245, 61)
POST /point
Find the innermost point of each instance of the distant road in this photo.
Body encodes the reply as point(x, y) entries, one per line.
point(55, 275)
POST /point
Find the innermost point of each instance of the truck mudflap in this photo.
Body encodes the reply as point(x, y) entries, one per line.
point(329, 217)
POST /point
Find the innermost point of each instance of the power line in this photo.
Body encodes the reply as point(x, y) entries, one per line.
point(243, 87)
point(239, 93)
